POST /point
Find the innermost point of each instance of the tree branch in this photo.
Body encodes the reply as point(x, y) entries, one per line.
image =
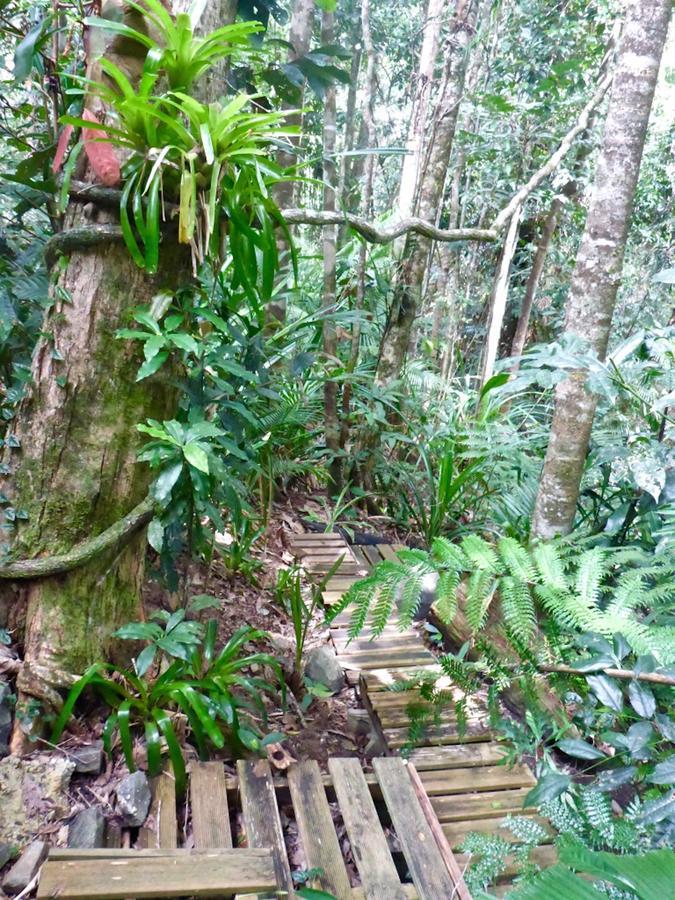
point(554, 160)
point(116, 535)
point(624, 674)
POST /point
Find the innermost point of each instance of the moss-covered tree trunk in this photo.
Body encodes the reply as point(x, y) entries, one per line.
point(75, 472)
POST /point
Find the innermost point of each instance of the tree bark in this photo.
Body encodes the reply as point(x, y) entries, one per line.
point(330, 390)
point(76, 473)
point(418, 116)
point(597, 274)
point(547, 231)
point(299, 37)
point(498, 298)
point(408, 290)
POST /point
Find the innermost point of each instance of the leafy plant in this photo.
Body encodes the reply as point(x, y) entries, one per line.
point(200, 688)
point(212, 160)
point(586, 591)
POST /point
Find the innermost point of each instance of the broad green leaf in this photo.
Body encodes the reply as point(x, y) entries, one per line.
point(607, 691)
point(156, 535)
point(580, 749)
point(641, 699)
point(552, 785)
point(150, 366)
point(664, 772)
point(197, 457)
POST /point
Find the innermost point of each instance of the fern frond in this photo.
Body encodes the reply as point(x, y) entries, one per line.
point(516, 559)
point(446, 595)
point(411, 588)
point(549, 566)
point(517, 608)
point(592, 569)
point(480, 554)
point(480, 591)
point(448, 554)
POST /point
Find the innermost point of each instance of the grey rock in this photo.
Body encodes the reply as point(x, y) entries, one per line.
point(24, 870)
point(133, 799)
point(86, 831)
point(5, 717)
point(33, 793)
point(89, 758)
point(322, 665)
point(358, 722)
point(6, 853)
point(375, 746)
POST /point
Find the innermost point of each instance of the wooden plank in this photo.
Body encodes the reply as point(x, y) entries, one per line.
point(457, 756)
point(480, 778)
point(206, 875)
point(261, 816)
point(210, 813)
point(163, 812)
point(483, 805)
point(394, 640)
point(317, 537)
point(371, 553)
point(316, 829)
point(376, 867)
point(377, 659)
point(442, 734)
point(388, 552)
point(456, 832)
point(428, 871)
point(382, 679)
point(409, 892)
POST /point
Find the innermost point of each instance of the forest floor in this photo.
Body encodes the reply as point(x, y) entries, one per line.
point(322, 730)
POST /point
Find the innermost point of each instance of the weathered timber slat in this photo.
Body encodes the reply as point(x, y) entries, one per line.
point(223, 872)
point(382, 679)
point(316, 828)
point(439, 735)
point(457, 756)
point(261, 816)
point(428, 871)
point(210, 811)
point(376, 867)
point(371, 553)
point(484, 805)
point(388, 552)
point(456, 832)
point(478, 778)
point(163, 814)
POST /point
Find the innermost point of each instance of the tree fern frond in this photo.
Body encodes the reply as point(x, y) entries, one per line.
point(549, 565)
point(448, 554)
point(592, 568)
point(517, 608)
point(446, 594)
point(480, 591)
point(411, 588)
point(516, 559)
point(480, 554)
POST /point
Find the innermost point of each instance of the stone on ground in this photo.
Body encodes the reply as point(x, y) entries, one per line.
point(89, 758)
point(133, 799)
point(86, 831)
point(34, 792)
point(322, 665)
point(24, 870)
point(6, 853)
point(5, 717)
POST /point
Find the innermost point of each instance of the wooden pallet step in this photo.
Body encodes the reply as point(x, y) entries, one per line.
point(317, 537)
point(456, 832)
point(438, 735)
point(427, 868)
point(383, 678)
point(364, 663)
point(394, 717)
point(261, 815)
point(484, 805)
point(316, 829)
point(210, 811)
point(457, 756)
point(401, 699)
point(391, 640)
point(370, 850)
point(476, 778)
point(209, 874)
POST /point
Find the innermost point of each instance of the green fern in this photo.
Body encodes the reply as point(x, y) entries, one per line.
point(627, 591)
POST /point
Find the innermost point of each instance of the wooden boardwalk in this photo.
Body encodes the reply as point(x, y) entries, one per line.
point(469, 790)
point(221, 804)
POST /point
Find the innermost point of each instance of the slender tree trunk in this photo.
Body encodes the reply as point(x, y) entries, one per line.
point(599, 262)
point(408, 291)
point(331, 418)
point(418, 116)
point(498, 298)
point(350, 124)
point(366, 202)
point(299, 37)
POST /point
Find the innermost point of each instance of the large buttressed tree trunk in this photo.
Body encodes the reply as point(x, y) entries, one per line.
point(597, 275)
point(415, 259)
point(75, 473)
